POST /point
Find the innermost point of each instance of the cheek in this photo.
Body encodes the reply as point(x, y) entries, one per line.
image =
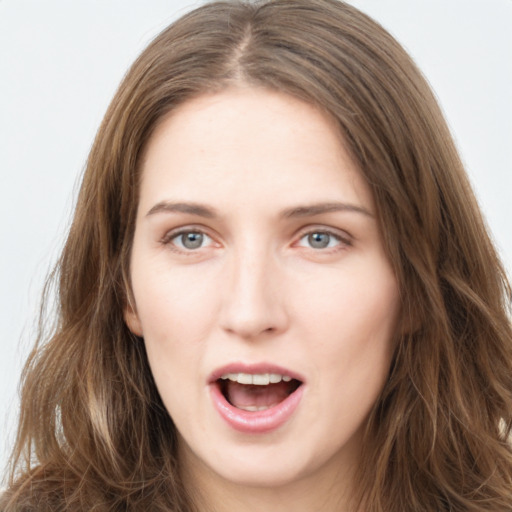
point(353, 353)
point(174, 303)
point(353, 320)
point(176, 315)
point(358, 300)
point(172, 311)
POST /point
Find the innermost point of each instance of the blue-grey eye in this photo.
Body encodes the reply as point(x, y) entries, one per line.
point(319, 240)
point(191, 240)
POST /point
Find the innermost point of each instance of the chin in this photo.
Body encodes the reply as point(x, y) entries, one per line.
point(275, 463)
point(261, 473)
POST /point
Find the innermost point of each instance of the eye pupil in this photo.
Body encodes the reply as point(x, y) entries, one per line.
point(192, 240)
point(319, 240)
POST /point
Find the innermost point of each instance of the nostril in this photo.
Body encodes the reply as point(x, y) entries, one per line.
point(253, 306)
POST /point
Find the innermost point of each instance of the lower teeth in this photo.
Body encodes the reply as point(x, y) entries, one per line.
point(254, 408)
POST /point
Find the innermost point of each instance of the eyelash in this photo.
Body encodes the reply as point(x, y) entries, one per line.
point(168, 239)
point(342, 241)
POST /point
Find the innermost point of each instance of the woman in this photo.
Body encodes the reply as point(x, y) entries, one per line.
point(277, 291)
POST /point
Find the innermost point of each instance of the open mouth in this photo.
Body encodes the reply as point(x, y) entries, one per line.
point(256, 392)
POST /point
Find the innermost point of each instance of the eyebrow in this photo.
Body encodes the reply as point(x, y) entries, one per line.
point(202, 210)
point(189, 208)
point(318, 209)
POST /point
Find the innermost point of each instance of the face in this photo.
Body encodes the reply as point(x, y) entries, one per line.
point(261, 288)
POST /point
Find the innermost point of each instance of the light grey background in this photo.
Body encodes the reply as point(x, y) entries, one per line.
point(60, 64)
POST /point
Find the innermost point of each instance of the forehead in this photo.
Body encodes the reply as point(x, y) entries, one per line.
point(249, 142)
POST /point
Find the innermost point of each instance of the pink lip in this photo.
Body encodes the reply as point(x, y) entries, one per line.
point(257, 422)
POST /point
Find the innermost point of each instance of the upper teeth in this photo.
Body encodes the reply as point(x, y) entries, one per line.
point(259, 379)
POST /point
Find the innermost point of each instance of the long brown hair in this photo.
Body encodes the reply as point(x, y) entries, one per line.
point(93, 432)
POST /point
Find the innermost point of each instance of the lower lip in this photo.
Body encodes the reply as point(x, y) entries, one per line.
point(257, 422)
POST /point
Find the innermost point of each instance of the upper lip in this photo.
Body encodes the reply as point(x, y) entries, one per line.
point(253, 368)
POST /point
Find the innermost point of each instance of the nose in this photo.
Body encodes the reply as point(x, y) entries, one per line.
point(254, 298)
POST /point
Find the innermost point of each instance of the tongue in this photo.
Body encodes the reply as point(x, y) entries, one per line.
point(247, 395)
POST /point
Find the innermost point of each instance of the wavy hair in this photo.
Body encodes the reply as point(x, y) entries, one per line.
point(93, 432)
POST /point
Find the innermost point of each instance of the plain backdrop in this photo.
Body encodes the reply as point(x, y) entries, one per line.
point(61, 62)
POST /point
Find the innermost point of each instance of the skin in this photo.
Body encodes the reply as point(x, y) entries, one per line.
point(256, 290)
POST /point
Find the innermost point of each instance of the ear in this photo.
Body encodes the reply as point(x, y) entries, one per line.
point(132, 320)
